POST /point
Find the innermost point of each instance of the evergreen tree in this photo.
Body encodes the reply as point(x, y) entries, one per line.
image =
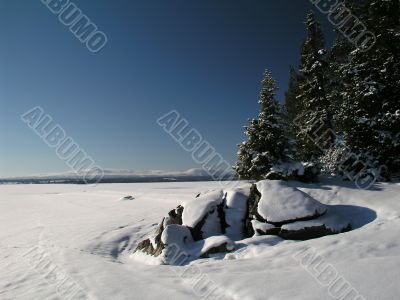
point(292, 103)
point(292, 109)
point(369, 113)
point(335, 152)
point(266, 143)
point(337, 58)
point(312, 105)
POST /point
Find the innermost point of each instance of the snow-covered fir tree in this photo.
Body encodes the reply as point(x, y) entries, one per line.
point(336, 151)
point(292, 102)
point(369, 111)
point(312, 106)
point(267, 143)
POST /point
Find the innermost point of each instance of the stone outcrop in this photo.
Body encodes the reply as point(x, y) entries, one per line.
point(213, 222)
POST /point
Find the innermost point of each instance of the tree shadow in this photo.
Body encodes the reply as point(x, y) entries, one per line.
point(359, 216)
point(326, 183)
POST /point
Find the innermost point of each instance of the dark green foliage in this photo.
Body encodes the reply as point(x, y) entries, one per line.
point(368, 113)
point(267, 141)
point(342, 107)
point(312, 111)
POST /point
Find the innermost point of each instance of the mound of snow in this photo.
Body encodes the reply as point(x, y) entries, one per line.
point(176, 234)
point(195, 210)
point(281, 204)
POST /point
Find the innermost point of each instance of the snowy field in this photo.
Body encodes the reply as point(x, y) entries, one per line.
point(76, 241)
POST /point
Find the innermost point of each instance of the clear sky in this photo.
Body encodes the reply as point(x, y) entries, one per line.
point(203, 58)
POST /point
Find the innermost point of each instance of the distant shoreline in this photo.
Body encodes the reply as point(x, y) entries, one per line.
point(113, 179)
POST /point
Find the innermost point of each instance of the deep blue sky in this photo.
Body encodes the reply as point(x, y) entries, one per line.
point(203, 58)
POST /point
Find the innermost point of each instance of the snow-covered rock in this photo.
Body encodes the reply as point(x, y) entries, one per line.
point(181, 250)
point(127, 198)
point(203, 214)
point(263, 228)
point(325, 225)
point(154, 245)
point(176, 234)
point(214, 245)
point(280, 203)
point(235, 212)
point(218, 221)
point(196, 209)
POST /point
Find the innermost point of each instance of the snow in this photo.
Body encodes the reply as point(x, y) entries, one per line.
point(176, 234)
point(87, 237)
point(335, 223)
point(179, 237)
point(280, 203)
point(289, 168)
point(212, 225)
point(195, 210)
point(111, 173)
point(215, 241)
point(236, 208)
point(257, 225)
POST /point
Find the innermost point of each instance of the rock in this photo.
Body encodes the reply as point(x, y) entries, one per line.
point(178, 242)
point(153, 246)
point(216, 221)
point(217, 244)
point(204, 215)
point(176, 234)
point(263, 228)
point(305, 230)
point(235, 212)
point(218, 249)
point(307, 233)
point(252, 214)
point(281, 204)
point(175, 216)
point(311, 173)
point(303, 172)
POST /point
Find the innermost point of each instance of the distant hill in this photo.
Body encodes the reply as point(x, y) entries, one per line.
point(117, 176)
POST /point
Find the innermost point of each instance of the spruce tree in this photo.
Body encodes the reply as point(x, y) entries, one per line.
point(335, 152)
point(337, 58)
point(292, 109)
point(313, 111)
point(292, 104)
point(370, 111)
point(266, 143)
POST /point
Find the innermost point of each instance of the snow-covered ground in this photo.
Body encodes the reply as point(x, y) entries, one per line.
point(75, 242)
